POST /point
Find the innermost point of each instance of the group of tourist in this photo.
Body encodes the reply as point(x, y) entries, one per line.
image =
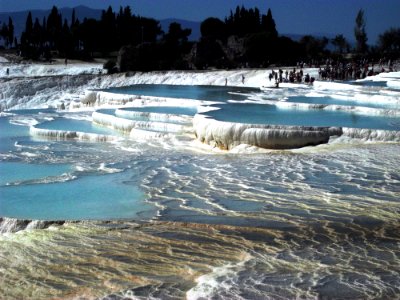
point(332, 70)
point(291, 76)
point(353, 70)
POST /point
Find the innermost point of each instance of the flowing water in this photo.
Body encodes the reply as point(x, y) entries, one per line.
point(170, 219)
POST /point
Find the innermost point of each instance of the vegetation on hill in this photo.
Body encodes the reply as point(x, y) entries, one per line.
point(246, 38)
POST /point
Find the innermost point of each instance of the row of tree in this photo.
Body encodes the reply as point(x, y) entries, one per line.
point(54, 34)
point(7, 33)
point(245, 38)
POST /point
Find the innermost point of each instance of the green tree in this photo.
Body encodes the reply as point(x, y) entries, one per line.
point(124, 25)
point(4, 32)
point(213, 28)
point(66, 44)
point(243, 21)
point(389, 42)
point(258, 49)
point(28, 47)
point(74, 32)
point(149, 29)
point(10, 33)
point(73, 18)
point(176, 35)
point(313, 47)
point(174, 47)
point(28, 28)
point(44, 35)
point(360, 34)
point(340, 43)
point(209, 53)
point(89, 34)
point(268, 24)
point(37, 34)
point(108, 40)
point(54, 28)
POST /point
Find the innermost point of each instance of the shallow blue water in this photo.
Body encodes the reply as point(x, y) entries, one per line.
point(90, 197)
point(9, 133)
point(14, 172)
point(270, 114)
point(345, 102)
point(211, 93)
point(31, 187)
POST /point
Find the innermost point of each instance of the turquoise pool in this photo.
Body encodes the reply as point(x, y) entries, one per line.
point(47, 193)
point(346, 102)
point(64, 180)
point(270, 114)
point(196, 92)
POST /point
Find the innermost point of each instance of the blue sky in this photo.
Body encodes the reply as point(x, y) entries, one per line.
point(291, 16)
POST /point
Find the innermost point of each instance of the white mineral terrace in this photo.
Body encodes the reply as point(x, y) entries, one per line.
point(372, 134)
point(67, 134)
point(157, 117)
point(76, 93)
point(126, 125)
point(227, 135)
point(224, 135)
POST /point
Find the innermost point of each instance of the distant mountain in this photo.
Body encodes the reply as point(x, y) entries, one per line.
point(330, 36)
point(185, 24)
point(297, 37)
point(19, 18)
